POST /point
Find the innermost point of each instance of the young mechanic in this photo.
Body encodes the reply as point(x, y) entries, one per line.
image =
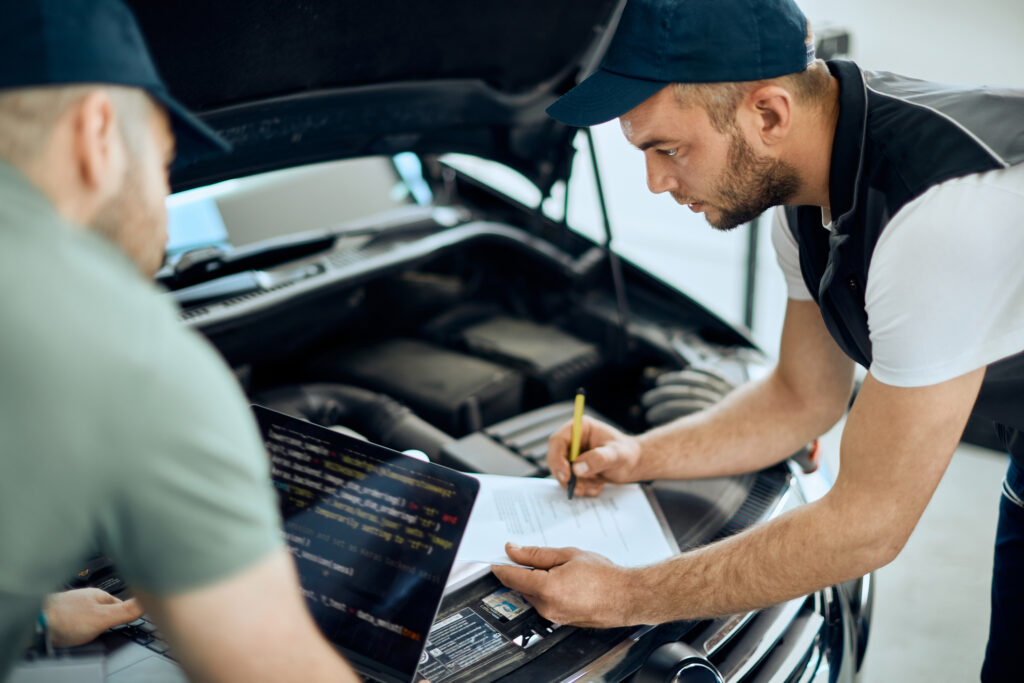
point(901, 241)
point(122, 432)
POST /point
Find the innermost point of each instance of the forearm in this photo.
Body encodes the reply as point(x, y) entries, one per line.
point(764, 421)
point(250, 626)
point(799, 553)
point(896, 445)
point(758, 424)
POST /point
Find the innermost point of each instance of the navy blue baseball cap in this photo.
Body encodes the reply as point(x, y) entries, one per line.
point(66, 42)
point(659, 42)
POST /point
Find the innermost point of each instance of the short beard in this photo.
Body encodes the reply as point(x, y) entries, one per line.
point(111, 219)
point(122, 217)
point(752, 184)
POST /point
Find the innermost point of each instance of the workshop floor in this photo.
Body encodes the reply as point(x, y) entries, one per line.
point(932, 603)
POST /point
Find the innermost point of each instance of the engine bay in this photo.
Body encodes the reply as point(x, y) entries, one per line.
point(470, 351)
point(468, 330)
point(468, 345)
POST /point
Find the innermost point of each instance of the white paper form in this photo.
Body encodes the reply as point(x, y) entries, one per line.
point(619, 524)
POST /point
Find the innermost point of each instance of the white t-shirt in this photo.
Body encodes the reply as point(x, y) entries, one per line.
point(945, 288)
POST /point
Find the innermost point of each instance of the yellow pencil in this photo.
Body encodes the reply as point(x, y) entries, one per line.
point(577, 433)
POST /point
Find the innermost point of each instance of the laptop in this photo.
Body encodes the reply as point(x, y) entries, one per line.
point(374, 535)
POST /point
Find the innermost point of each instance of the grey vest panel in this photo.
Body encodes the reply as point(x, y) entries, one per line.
point(991, 116)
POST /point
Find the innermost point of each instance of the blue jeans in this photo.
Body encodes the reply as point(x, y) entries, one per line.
point(1006, 629)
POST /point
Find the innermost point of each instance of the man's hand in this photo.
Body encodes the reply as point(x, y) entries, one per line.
point(75, 617)
point(606, 455)
point(570, 586)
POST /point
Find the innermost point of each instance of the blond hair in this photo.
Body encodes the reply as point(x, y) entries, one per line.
point(28, 116)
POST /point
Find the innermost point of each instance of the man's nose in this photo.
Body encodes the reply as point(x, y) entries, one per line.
point(659, 178)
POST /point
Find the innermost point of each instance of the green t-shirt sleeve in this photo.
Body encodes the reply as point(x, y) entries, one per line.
point(190, 495)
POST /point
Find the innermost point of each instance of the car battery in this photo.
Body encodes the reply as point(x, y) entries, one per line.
point(455, 392)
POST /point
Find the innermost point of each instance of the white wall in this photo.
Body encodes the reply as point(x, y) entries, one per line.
point(954, 42)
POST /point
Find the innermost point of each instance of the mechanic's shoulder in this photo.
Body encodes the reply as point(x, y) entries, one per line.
point(89, 323)
point(68, 276)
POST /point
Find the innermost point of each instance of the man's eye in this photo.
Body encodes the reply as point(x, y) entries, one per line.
point(668, 152)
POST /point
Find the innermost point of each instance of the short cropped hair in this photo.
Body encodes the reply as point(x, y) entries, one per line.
point(721, 100)
point(28, 116)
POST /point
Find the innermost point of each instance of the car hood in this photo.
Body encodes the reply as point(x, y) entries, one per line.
point(290, 83)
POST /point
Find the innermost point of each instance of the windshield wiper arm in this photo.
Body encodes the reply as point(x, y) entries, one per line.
point(208, 263)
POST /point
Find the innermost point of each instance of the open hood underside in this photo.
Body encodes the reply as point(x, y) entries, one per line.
point(289, 83)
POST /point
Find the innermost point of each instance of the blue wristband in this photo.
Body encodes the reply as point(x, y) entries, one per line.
point(42, 643)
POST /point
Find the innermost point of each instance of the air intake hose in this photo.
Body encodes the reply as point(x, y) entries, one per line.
point(380, 418)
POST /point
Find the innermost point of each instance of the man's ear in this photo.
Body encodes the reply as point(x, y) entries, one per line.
point(770, 113)
point(96, 143)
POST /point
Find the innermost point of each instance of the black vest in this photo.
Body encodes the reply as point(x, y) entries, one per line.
point(895, 138)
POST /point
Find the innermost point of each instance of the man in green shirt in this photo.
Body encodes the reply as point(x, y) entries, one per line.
point(121, 432)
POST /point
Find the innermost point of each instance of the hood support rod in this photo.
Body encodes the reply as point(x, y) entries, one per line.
point(618, 282)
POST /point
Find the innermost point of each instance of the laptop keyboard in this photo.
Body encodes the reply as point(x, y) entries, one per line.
point(144, 632)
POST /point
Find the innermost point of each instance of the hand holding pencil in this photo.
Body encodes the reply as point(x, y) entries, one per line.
point(602, 454)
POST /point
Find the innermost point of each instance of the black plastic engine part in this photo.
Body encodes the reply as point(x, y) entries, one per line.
point(455, 392)
point(546, 355)
point(682, 392)
point(697, 377)
point(379, 417)
point(479, 453)
point(517, 446)
point(667, 411)
point(669, 392)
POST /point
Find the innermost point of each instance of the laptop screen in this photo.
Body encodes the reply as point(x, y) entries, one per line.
point(374, 534)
